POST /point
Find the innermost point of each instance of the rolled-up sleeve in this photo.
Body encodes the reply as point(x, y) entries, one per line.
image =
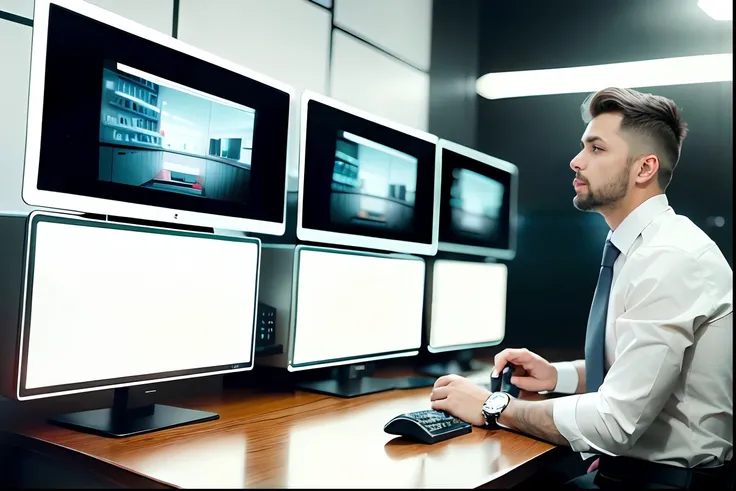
point(664, 303)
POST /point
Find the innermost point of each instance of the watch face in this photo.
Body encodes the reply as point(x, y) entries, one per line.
point(496, 403)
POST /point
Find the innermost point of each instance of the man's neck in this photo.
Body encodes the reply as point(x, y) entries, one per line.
point(616, 215)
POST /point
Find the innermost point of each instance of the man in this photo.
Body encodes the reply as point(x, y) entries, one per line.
point(654, 395)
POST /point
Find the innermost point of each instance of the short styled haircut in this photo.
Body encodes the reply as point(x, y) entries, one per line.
point(657, 119)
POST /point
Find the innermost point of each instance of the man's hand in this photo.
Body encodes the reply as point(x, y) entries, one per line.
point(459, 397)
point(532, 373)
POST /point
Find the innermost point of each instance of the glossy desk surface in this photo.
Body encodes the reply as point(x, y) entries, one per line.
point(300, 440)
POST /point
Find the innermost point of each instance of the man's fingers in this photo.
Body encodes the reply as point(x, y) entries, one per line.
point(439, 393)
point(513, 355)
point(528, 383)
point(445, 380)
point(441, 405)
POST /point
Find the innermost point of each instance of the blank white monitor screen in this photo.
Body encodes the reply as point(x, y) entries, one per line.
point(351, 306)
point(108, 303)
point(468, 304)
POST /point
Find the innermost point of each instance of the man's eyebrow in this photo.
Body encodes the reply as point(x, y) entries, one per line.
point(591, 139)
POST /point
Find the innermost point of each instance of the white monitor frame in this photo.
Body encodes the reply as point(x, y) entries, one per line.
point(78, 203)
point(292, 321)
point(31, 223)
point(506, 254)
point(365, 241)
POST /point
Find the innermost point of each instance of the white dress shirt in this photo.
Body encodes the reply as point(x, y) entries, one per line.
point(668, 392)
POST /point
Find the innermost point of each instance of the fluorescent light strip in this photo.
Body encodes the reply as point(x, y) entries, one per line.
point(181, 88)
point(383, 148)
point(650, 73)
point(717, 9)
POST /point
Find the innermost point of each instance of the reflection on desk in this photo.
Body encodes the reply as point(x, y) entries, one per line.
point(302, 440)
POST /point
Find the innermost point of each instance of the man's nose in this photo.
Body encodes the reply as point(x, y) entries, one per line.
point(576, 164)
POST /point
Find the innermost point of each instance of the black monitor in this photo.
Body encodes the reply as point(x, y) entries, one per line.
point(478, 205)
point(126, 121)
point(365, 181)
point(117, 306)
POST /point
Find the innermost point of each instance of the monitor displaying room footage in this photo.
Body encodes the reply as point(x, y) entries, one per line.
point(126, 121)
point(162, 136)
point(467, 304)
point(365, 181)
point(373, 186)
point(476, 204)
point(478, 211)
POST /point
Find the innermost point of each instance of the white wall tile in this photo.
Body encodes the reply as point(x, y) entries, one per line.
point(157, 14)
point(376, 82)
point(401, 27)
point(285, 39)
point(18, 7)
point(15, 65)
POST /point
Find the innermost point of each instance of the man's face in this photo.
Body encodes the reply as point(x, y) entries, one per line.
point(602, 170)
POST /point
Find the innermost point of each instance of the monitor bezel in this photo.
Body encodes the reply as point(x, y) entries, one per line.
point(77, 203)
point(505, 254)
point(356, 359)
point(365, 241)
point(36, 217)
point(429, 302)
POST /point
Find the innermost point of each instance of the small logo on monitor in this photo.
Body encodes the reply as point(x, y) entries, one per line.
point(176, 216)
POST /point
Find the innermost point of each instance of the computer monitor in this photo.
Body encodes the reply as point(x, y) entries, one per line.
point(365, 181)
point(466, 309)
point(353, 307)
point(126, 121)
point(110, 305)
point(478, 205)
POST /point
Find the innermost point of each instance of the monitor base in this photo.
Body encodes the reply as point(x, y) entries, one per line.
point(130, 415)
point(462, 364)
point(102, 422)
point(414, 382)
point(349, 388)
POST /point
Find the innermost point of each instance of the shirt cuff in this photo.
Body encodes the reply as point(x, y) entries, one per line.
point(563, 415)
point(567, 378)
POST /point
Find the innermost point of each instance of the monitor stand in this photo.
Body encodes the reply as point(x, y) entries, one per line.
point(462, 363)
point(415, 382)
point(349, 381)
point(132, 413)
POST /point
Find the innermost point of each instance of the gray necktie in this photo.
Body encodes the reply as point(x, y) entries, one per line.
point(595, 338)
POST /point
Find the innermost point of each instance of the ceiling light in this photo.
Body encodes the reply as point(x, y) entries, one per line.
point(718, 9)
point(650, 73)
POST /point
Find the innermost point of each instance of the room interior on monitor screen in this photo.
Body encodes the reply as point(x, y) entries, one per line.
point(373, 185)
point(166, 137)
point(476, 202)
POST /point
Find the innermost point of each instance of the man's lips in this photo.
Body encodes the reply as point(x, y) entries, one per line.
point(577, 183)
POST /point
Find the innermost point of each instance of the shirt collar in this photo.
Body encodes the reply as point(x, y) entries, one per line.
point(635, 223)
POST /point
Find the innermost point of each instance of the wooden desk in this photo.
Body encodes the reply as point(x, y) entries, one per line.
point(295, 440)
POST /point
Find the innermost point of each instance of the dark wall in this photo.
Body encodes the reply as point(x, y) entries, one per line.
point(454, 70)
point(552, 279)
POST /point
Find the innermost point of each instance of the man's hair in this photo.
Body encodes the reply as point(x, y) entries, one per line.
point(653, 117)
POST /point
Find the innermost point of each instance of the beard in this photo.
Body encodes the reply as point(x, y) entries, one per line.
point(605, 196)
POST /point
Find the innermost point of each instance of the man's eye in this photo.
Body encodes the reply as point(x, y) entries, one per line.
point(596, 148)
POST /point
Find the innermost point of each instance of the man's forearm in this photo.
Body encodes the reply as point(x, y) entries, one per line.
point(580, 368)
point(532, 418)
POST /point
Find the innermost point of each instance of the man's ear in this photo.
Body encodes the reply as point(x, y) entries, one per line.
point(646, 168)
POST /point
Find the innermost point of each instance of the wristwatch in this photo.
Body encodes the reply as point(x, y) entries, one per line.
point(494, 406)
